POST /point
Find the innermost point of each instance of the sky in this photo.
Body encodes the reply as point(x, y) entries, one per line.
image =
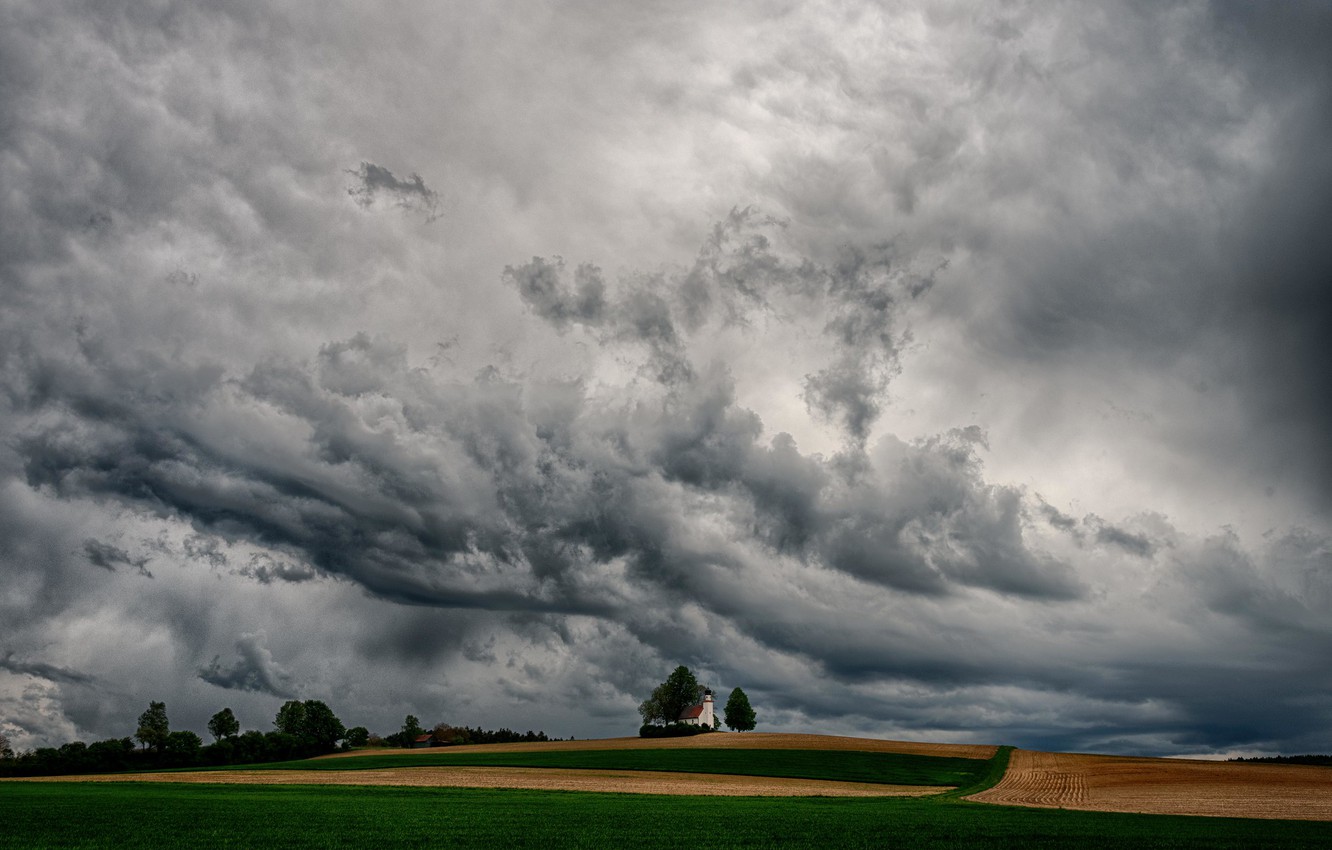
point(936, 371)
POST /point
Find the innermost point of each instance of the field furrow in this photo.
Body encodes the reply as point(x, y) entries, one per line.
point(1163, 786)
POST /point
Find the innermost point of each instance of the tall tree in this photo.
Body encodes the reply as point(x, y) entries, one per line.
point(411, 730)
point(291, 718)
point(223, 725)
point(153, 726)
point(321, 729)
point(680, 690)
point(6, 751)
point(738, 713)
point(311, 722)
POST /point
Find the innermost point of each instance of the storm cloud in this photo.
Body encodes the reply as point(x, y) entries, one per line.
point(941, 372)
point(253, 669)
point(110, 557)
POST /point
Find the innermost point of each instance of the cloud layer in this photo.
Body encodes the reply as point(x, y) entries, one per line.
point(931, 373)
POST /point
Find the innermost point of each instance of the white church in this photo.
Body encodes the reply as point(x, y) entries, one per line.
point(701, 714)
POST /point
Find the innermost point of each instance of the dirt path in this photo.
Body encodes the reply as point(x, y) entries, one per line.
point(724, 740)
point(548, 779)
point(1163, 786)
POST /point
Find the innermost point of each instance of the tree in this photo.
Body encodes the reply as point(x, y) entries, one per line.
point(182, 747)
point(358, 736)
point(153, 726)
point(312, 723)
point(223, 725)
point(411, 730)
point(680, 690)
point(738, 713)
point(6, 750)
point(290, 718)
point(322, 729)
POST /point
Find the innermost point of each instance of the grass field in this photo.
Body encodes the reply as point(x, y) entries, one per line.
point(844, 766)
point(62, 814)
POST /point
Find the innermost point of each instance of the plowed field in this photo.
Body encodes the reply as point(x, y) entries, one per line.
point(729, 740)
point(1163, 786)
point(548, 779)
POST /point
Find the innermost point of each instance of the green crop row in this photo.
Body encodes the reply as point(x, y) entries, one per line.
point(142, 815)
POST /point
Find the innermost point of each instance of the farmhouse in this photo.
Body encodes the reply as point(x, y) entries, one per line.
point(701, 714)
point(422, 741)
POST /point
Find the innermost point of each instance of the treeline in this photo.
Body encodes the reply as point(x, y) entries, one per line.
point(302, 730)
point(1306, 759)
point(444, 734)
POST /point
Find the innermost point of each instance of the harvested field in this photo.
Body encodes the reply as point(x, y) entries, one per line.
point(1163, 786)
point(547, 779)
point(731, 740)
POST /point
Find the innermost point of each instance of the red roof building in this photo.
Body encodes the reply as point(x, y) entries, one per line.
point(701, 714)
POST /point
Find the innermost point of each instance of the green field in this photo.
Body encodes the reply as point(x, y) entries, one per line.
point(129, 815)
point(838, 765)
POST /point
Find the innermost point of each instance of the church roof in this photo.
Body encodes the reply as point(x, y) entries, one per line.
point(693, 712)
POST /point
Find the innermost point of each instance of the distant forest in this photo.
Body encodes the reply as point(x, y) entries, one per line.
point(302, 730)
point(1318, 760)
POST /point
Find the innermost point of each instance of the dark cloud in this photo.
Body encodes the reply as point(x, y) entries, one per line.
point(266, 569)
point(375, 181)
point(803, 456)
point(42, 670)
point(107, 557)
point(254, 670)
point(206, 549)
point(1056, 517)
point(425, 637)
point(542, 286)
point(1135, 544)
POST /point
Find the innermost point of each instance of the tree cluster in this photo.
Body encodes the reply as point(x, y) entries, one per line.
point(304, 729)
point(1322, 760)
point(301, 730)
point(444, 734)
point(662, 709)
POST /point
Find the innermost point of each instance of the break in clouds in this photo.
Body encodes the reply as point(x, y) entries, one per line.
point(947, 374)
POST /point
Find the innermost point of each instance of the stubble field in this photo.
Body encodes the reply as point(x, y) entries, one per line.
point(1163, 786)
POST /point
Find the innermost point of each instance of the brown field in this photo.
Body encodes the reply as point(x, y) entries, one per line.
point(1163, 786)
point(734, 740)
point(547, 779)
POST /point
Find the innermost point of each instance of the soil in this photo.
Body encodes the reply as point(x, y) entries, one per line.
point(1163, 786)
point(718, 740)
point(548, 779)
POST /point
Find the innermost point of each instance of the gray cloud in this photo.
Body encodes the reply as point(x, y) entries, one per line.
point(254, 669)
point(1135, 544)
point(266, 569)
point(375, 181)
point(972, 258)
point(542, 286)
point(205, 549)
point(42, 670)
point(107, 557)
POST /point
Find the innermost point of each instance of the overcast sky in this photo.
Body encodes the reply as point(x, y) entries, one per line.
point(940, 371)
